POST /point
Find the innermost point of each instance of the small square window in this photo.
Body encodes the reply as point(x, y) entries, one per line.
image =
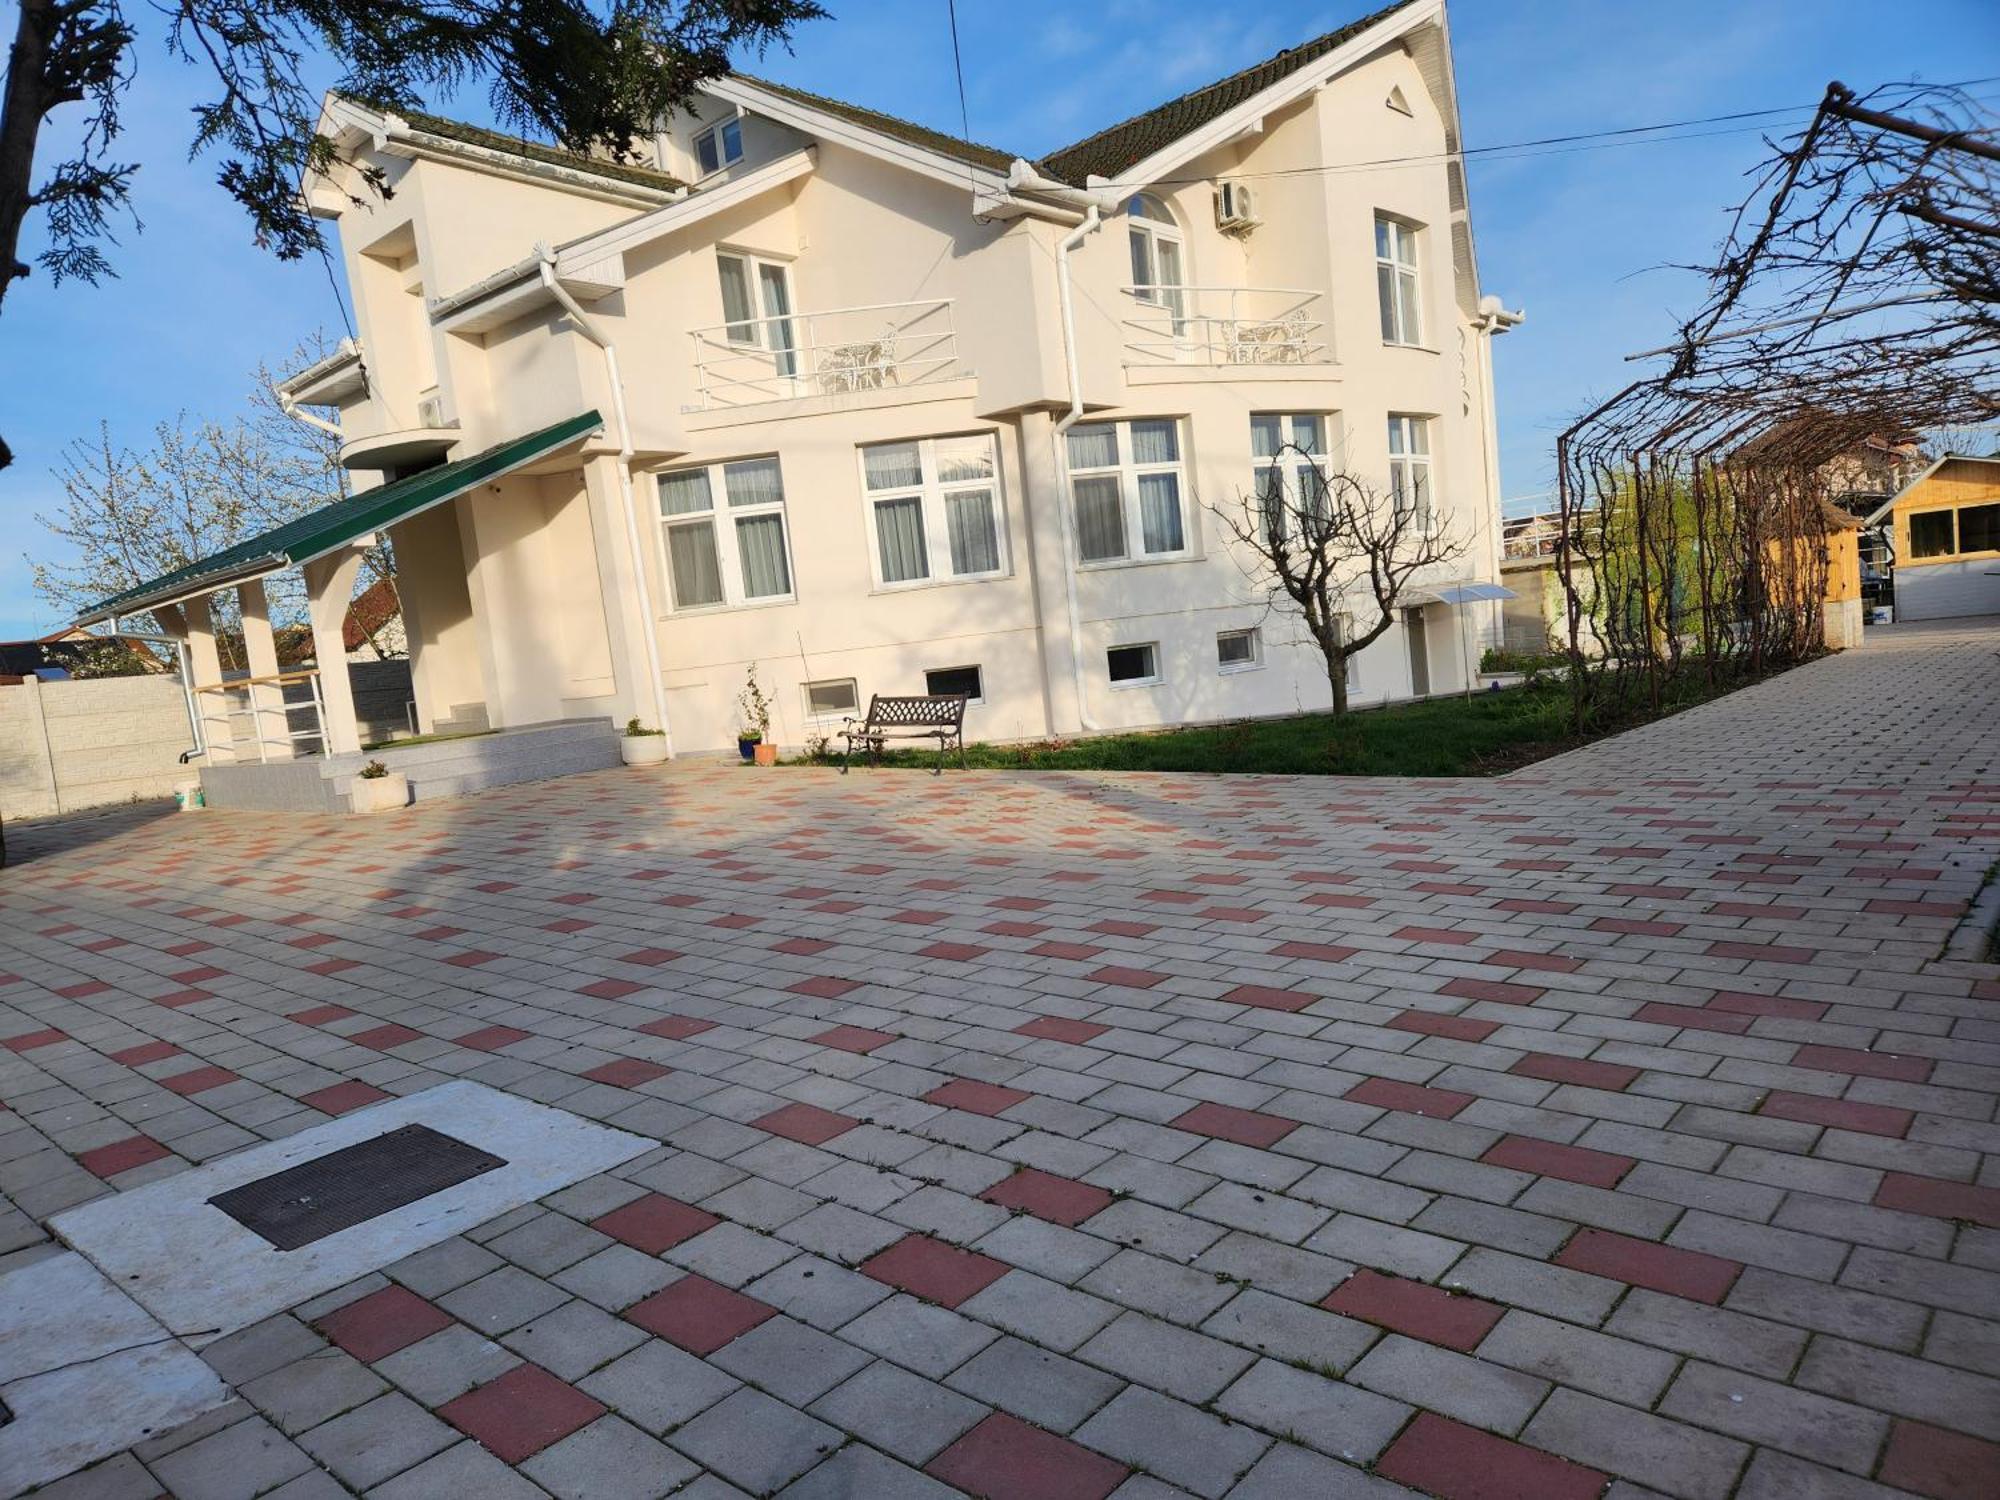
point(1237, 649)
point(1931, 534)
point(719, 146)
point(945, 682)
point(830, 700)
point(1133, 665)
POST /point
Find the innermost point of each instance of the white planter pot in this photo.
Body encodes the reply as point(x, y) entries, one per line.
point(642, 749)
point(380, 793)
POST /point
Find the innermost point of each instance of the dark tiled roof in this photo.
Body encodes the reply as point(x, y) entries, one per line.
point(991, 157)
point(555, 156)
point(1113, 150)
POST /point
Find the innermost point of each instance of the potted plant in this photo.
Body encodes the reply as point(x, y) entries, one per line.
point(756, 721)
point(640, 746)
point(376, 788)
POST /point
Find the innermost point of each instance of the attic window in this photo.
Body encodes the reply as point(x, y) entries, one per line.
point(1398, 103)
point(719, 146)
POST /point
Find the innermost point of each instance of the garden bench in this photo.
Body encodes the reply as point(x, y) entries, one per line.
point(938, 716)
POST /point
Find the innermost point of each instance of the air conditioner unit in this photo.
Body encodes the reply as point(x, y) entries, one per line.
point(430, 410)
point(1235, 208)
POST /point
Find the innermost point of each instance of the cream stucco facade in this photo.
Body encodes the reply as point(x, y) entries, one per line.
point(847, 281)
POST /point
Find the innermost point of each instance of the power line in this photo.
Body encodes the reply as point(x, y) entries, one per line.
point(958, 67)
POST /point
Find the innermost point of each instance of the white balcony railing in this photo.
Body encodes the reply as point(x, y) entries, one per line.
point(1226, 325)
point(834, 353)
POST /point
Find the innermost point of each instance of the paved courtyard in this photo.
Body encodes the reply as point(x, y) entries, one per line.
point(1615, 1127)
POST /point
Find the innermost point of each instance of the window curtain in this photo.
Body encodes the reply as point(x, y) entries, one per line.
point(975, 541)
point(755, 482)
point(691, 558)
point(892, 466)
point(1155, 443)
point(1266, 436)
point(899, 534)
point(760, 544)
point(962, 459)
point(685, 493)
point(1100, 519)
point(1306, 434)
point(1160, 512)
point(737, 309)
point(1094, 446)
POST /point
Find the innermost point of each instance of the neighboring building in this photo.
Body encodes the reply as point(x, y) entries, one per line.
point(879, 410)
point(1942, 532)
point(373, 630)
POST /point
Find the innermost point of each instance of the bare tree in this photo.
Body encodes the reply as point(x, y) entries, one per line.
point(1337, 551)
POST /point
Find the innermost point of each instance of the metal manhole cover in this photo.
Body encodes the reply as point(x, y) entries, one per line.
point(350, 1186)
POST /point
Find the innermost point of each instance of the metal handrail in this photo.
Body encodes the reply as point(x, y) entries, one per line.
point(801, 354)
point(1285, 331)
point(255, 711)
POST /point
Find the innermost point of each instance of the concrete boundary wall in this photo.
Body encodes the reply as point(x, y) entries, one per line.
point(67, 745)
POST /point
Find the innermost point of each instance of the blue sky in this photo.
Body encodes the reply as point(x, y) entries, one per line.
point(1576, 237)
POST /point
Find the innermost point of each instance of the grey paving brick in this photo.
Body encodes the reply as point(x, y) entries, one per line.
point(502, 1300)
point(466, 1469)
point(734, 1256)
point(900, 1413)
point(447, 1364)
point(1555, 1290)
point(1533, 1235)
point(1044, 1388)
point(1735, 1339)
point(817, 1291)
point(1969, 1343)
point(1150, 1284)
point(840, 1233)
point(1046, 1249)
point(792, 1361)
point(1336, 1418)
point(377, 1441)
point(1288, 1473)
point(616, 1277)
point(573, 1340)
point(1614, 1368)
point(1166, 1357)
point(1174, 1441)
point(1057, 1317)
point(855, 1472)
point(609, 1460)
point(1160, 1231)
point(755, 1442)
point(918, 1335)
point(1406, 1252)
point(1780, 1476)
point(444, 1267)
point(1828, 1309)
point(1473, 1391)
point(1290, 1331)
point(261, 1348)
point(309, 1391)
point(548, 1244)
point(1932, 1393)
point(1674, 1458)
point(242, 1460)
point(658, 1387)
point(1777, 1416)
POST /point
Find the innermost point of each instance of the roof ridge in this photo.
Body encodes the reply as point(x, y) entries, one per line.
point(942, 140)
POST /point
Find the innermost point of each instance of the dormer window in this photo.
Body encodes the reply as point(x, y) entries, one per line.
point(1158, 274)
point(719, 146)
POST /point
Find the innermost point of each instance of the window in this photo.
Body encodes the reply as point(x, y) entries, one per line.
point(1125, 478)
point(934, 509)
point(741, 561)
point(1157, 268)
point(1979, 528)
point(943, 682)
point(830, 700)
point(757, 307)
point(1133, 666)
point(719, 146)
point(1289, 449)
point(1410, 468)
point(1931, 534)
point(1396, 281)
point(1236, 650)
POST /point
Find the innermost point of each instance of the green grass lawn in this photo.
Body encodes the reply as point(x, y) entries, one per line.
point(1488, 734)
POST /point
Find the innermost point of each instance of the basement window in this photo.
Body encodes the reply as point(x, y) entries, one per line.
point(946, 682)
point(1133, 666)
point(831, 700)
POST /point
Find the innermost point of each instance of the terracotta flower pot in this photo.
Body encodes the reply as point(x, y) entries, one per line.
point(765, 754)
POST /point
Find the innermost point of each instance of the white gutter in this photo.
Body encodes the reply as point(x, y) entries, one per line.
point(290, 408)
point(650, 626)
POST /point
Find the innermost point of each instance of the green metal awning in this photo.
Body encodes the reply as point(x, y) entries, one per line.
point(334, 526)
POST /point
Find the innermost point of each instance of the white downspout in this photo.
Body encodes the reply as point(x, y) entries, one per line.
point(650, 630)
point(290, 408)
point(1093, 220)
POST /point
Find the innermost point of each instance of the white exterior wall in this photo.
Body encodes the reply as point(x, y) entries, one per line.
point(858, 231)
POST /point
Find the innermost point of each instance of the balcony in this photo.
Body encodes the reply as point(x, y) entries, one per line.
point(842, 352)
point(1225, 327)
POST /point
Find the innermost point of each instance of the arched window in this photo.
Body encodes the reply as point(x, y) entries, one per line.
point(1158, 266)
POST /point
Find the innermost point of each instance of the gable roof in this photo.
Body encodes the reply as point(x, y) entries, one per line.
point(1119, 147)
point(1918, 482)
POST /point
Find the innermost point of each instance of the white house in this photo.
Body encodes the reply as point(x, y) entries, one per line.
point(879, 410)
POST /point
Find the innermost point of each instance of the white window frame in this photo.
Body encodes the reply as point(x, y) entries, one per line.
point(1251, 663)
point(1288, 460)
point(719, 134)
point(776, 331)
point(817, 717)
point(1127, 473)
point(972, 699)
point(1399, 282)
point(728, 559)
point(1145, 234)
point(934, 495)
point(1118, 684)
point(1412, 470)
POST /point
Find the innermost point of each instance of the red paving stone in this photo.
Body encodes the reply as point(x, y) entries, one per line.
point(1456, 1462)
point(339, 1098)
point(1939, 1199)
point(626, 1072)
point(1692, 1017)
point(654, 1223)
point(319, 1015)
point(1060, 1200)
point(1246, 1127)
point(1840, 1114)
point(1891, 1065)
point(1412, 1098)
point(1263, 997)
point(197, 1081)
point(122, 1156)
point(1498, 991)
point(933, 1270)
point(959, 953)
point(1126, 978)
point(977, 1098)
point(521, 1413)
point(806, 1123)
point(854, 1039)
point(648, 957)
point(1748, 1004)
point(824, 987)
point(1945, 1465)
point(611, 989)
point(29, 1041)
point(1555, 1068)
point(1430, 1023)
point(1061, 1029)
point(492, 1038)
point(698, 1315)
point(1679, 1273)
point(1003, 1458)
point(382, 1038)
point(377, 1325)
point(145, 1052)
point(1547, 1159)
point(1326, 953)
point(1423, 1312)
point(677, 1028)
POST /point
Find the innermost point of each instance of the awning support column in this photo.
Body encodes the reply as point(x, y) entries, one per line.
point(260, 647)
point(216, 730)
point(329, 588)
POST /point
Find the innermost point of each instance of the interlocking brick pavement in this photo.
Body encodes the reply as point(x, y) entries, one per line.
point(1611, 1127)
